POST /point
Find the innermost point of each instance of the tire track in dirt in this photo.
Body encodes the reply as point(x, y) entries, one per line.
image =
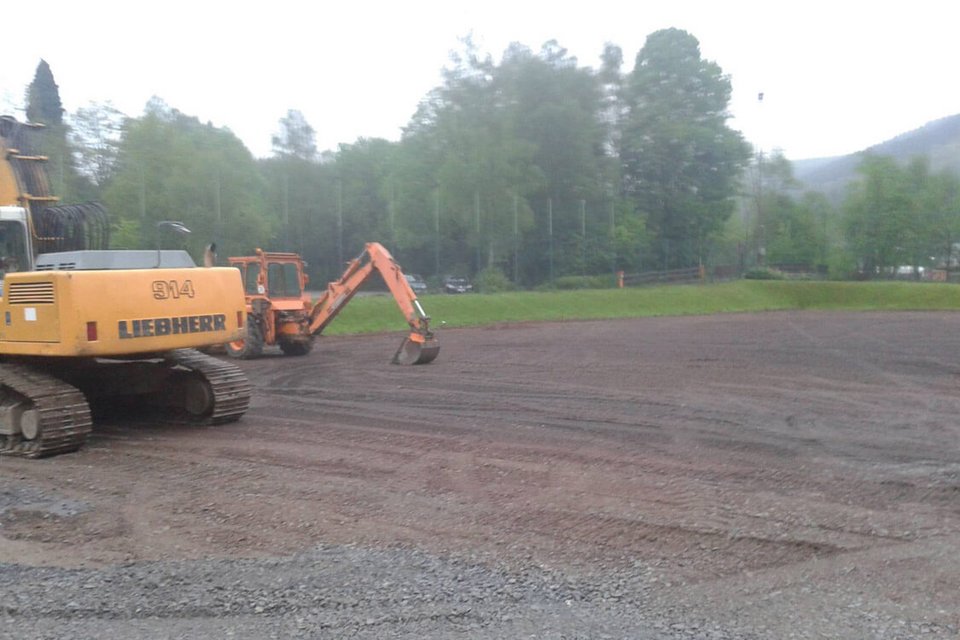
point(703, 448)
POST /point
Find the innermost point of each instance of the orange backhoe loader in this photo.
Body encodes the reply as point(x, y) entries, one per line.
point(281, 312)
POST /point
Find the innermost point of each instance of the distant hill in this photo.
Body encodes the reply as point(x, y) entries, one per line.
point(938, 140)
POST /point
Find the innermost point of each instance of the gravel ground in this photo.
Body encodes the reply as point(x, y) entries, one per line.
point(335, 592)
point(782, 475)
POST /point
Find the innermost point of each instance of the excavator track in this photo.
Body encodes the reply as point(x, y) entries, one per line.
point(62, 411)
point(229, 387)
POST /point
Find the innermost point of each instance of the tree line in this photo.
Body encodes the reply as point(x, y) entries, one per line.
point(527, 170)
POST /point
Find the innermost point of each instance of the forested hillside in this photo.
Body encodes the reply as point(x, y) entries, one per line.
point(526, 171)
point(939, 141)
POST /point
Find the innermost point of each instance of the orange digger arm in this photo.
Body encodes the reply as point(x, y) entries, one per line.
point(374, 257)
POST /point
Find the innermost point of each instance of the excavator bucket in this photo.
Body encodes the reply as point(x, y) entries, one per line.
point(417, 350)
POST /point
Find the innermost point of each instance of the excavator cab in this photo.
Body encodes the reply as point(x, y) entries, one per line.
point(285, 279)
point(274, 275)
point(277, 304)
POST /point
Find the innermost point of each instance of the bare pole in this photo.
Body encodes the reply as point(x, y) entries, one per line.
point(143, 192)
point(339, 222)
point(476, 213)
point(391, 210)
point(286, 210)
point(613, 241)
point(761, 231)
point(218, 224)
point(516, 238)
point(216, 199)
point(583, 236)
point(550, 232)
point(436, 228)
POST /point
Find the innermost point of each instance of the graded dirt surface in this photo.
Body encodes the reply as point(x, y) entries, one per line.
point(765, 476)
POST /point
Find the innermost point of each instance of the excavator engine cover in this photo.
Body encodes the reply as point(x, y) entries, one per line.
point(417, 351)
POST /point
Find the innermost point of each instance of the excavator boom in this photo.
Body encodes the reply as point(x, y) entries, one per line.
point(420, 347)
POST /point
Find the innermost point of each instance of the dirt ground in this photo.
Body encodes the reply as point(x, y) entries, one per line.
point(777, 467)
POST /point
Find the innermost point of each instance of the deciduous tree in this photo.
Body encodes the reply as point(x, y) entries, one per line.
point(681, 161)
point(95, 137)
point(172, 167)
point(296, 138)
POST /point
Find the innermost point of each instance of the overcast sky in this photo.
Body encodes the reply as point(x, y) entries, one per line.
point(836, 76)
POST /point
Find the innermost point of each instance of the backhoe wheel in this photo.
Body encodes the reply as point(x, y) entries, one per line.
point(251, 345)
point(296, 348)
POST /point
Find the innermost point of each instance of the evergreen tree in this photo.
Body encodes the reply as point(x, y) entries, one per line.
point(43, 98)
point(44, 107)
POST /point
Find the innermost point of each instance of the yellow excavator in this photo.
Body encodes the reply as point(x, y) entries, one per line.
point(280, 310)
point(82, 325)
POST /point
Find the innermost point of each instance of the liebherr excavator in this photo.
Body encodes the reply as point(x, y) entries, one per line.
point(280, 311)
point(82, 324)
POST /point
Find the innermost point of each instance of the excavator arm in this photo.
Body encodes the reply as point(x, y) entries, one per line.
point(420, 347)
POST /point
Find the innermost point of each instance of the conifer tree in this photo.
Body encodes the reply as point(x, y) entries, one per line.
point(43, 97)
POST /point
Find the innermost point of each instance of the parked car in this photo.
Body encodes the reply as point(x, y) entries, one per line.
point(457, 284)
point(417, 283)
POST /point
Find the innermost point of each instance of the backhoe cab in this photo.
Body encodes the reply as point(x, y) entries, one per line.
point(281, 312)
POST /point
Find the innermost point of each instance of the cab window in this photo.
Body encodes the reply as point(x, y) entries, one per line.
point(284, 281)
point(251, 273)
point(13, 247)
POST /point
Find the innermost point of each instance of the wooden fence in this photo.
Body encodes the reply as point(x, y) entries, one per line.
point(675, 276)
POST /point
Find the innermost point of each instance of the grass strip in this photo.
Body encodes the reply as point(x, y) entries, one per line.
point(378, 313)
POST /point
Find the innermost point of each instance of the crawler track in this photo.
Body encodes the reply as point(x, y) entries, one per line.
point(228, 384)
point(64, 413)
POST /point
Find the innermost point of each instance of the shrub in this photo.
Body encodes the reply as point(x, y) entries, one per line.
point(493, 280)
point(763, 273)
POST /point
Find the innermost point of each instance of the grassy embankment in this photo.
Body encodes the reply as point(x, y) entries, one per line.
point(371, 314)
